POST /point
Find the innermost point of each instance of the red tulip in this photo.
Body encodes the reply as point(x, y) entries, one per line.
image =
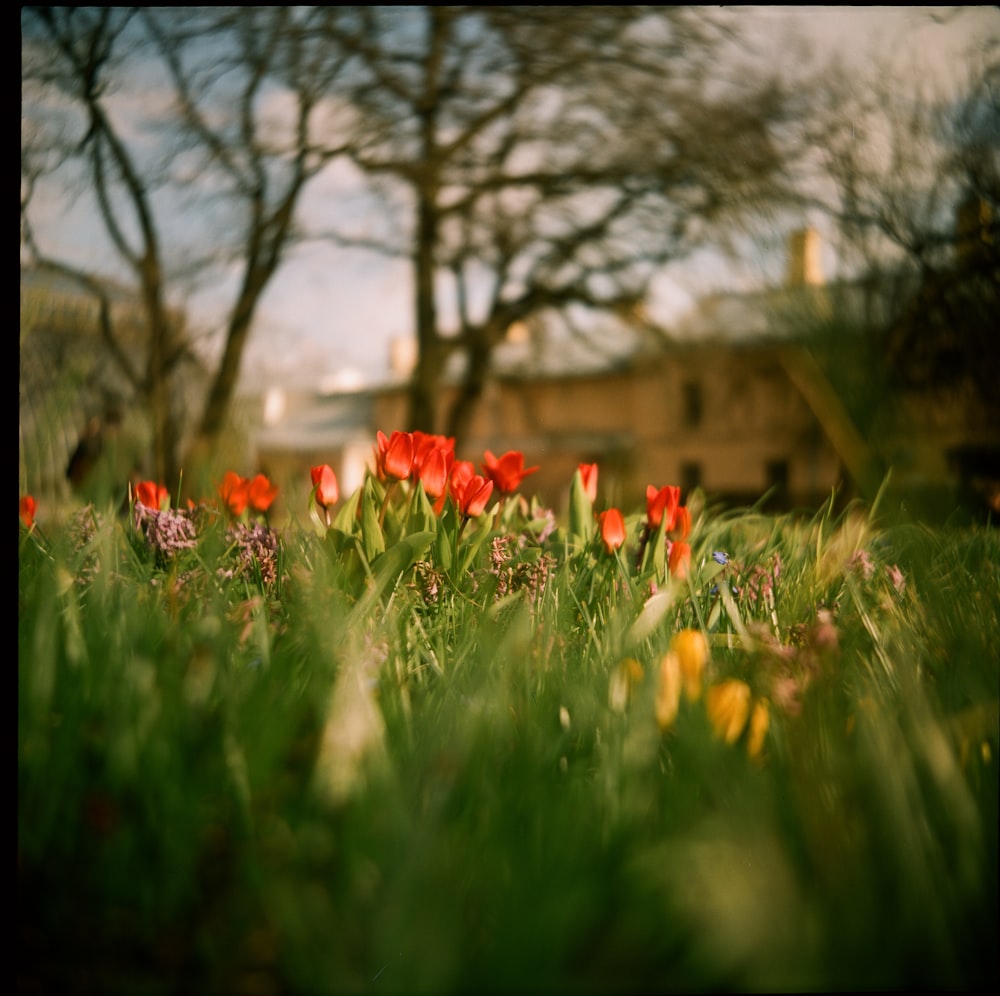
point(472, 496)
point(508, 471)
point(682, 523)
point(28, 505)
point(435, 466)
point(234, 491)
point(152, 495)
point(588, 475)
point(612, 527)
point(662, 504)
point(261, 493)
point(462, 471)
point(325, 482)
point(425, 443)
point(679, 561)
point(394, 456)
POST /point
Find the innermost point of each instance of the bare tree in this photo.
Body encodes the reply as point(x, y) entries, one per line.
point(910, 178)
point(83, 46)
point(237, 120)
point(913, 185)
point(547, 160)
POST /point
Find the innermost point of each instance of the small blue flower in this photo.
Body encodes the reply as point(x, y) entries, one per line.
point(714, 590)
point(721, 557)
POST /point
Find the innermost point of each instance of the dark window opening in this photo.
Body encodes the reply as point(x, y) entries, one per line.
point(692, 401)
point(690, 478)
point(777, 479)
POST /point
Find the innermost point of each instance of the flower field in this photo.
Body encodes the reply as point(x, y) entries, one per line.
point(432, 737)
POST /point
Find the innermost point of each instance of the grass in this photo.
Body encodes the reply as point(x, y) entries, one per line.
point(377, 773)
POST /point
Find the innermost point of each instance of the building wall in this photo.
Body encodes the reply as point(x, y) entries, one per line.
point(724, 414)
point(727, 419)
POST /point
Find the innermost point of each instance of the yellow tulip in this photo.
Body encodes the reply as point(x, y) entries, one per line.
point(760, 719)
point(728, 706)
point(691, 648)
point(668, 690)
point(628, 673)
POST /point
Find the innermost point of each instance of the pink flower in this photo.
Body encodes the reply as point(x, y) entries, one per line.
point(897, 578)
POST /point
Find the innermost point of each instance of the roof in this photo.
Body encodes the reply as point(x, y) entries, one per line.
point(320, 421)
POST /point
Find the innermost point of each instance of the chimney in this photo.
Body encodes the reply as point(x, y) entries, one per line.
point(804, 266)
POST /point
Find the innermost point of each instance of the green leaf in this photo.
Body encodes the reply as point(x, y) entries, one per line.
point(655, 555)
point(372, 537)
point(390, 565)
point(581, 509)
point(473, 543)
point(346, 519)
point(339, 540)
point(422, 517)
point(317, 520)
point(444, 541)
point(651, 616)
point(709, 572)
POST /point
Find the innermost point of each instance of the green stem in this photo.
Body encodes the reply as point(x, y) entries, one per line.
point(389, 489)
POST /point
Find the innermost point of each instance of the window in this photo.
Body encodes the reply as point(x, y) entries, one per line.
point(777, 479)
point(690, 478)
point(691, 400)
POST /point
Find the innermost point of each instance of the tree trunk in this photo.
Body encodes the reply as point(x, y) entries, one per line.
point(477, 355)
point(426, 382)
point(223, 387)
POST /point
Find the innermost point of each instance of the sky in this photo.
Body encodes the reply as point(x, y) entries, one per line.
point(335, 312)
point(343, 309)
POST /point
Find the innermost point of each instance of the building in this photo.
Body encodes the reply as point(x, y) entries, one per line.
point(77, 408)
point(304, 428)
point(729, 402)
point(726, 418)
point(715, 406)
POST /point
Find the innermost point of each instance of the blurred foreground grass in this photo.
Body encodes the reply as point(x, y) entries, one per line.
point(249, 788)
